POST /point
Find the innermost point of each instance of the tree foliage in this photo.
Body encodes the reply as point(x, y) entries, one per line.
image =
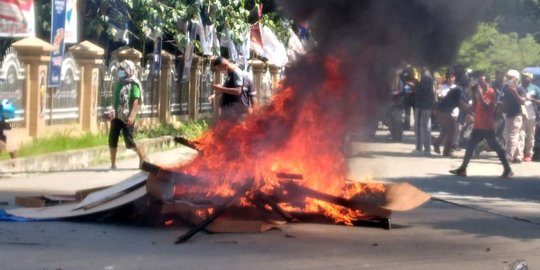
point(489, 49)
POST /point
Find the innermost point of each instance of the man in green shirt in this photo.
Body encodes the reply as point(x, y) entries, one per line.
point(127, 98)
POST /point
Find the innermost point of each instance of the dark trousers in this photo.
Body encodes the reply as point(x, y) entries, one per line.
point(448, 130)
point(477, 136)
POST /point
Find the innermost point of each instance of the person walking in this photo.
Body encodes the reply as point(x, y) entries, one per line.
point(513, 97)
point(126, 102)
point(529, 120)
point(484, 100)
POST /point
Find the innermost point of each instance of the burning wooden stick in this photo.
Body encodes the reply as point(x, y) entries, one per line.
point(185, 142)
point(217, 212)
point(293, 188)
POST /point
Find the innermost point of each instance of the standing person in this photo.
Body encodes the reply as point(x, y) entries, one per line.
point(529, 120)
point(484, 99)
point(7, 111)
point(408, 91)
point(445, 117)
point(423, 106)
point(127, 99)
point(513, 96)
point(230, 106)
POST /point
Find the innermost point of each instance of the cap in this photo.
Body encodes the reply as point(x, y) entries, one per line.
point(528, 74)
point(513, 73)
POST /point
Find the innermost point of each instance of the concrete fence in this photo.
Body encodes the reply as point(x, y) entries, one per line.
point(87, 88)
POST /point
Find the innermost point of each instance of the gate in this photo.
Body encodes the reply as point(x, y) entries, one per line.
point(206, 79)
point(12, 76)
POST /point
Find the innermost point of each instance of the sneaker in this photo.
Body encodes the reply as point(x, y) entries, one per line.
point(416, 152)
point(507, 174)
point(458, 172)
point(516, 160)
point(426, 153)
point(436, 148)
point(527, 159)
point(112, 168)
point(449, 154)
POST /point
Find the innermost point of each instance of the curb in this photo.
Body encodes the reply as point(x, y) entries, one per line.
point(82, 158)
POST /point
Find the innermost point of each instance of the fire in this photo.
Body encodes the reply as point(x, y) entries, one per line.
point(297, 133)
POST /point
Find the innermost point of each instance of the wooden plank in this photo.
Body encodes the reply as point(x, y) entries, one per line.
point(70, 211)
point(107, 193)
point(29, 201)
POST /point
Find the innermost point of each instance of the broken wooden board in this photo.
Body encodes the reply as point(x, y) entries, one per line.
point(71, 210)
point(120, 194)
point(396, 197)
point(114, 191)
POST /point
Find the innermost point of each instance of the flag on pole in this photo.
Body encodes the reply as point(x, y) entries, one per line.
point(256, 39)
point(228, 42)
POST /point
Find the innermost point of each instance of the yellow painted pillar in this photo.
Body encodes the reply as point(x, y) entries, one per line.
point(194, 87)
point(34, 54)
point(258, 68)
point(165, 87)
point(89, 57)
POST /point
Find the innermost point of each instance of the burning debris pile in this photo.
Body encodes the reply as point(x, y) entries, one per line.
point(334, 89)
point(286, 160)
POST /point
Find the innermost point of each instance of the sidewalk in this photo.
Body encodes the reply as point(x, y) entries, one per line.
point(79, 159)
point(67, 181)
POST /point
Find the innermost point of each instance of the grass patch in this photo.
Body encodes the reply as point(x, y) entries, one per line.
point(66, 141)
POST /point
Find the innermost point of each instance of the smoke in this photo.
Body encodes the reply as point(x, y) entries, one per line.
point(372, 38)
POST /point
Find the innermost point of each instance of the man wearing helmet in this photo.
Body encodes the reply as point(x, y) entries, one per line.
point(127, 99)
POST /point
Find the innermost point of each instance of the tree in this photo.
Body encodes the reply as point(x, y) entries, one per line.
point(489, 49)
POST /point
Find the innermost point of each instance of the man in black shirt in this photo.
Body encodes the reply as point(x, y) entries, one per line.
point(231, 106)
point(513, 96)
point(443, 115)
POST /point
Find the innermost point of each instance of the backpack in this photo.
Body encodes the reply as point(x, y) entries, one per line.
point(8, 109)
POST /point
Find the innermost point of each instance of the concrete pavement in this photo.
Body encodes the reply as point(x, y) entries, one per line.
point(478, 222)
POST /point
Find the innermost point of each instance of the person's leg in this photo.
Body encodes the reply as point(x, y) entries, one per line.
point(426, 126)
point(529, 127)
point(449, 142)
point(493, 144)
point(129, 134)
point(439, 116)
point(417, 128)
point(114, 133)
point(512, 136)
point(476, 137)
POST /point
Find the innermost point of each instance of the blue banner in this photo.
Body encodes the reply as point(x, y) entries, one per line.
point(58, 17)
point(156, 63)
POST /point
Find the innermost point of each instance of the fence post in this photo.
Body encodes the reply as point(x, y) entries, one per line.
point(274, 76)
point(194, 87)
point(127, 53)
point(258, 67)
point(165, 87)
point(34, 53)
point(89, 57)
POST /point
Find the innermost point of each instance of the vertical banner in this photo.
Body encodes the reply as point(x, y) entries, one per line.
point(156, 63)
point(188, 52)
point(58, 17)
point(72, 18)
point(17, 18)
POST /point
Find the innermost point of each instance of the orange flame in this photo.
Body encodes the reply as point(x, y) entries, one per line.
point(297, 133)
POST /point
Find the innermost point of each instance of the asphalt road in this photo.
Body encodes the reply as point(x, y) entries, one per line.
point(478, 222)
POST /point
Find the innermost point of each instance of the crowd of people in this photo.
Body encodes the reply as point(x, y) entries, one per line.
point(473, 112)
